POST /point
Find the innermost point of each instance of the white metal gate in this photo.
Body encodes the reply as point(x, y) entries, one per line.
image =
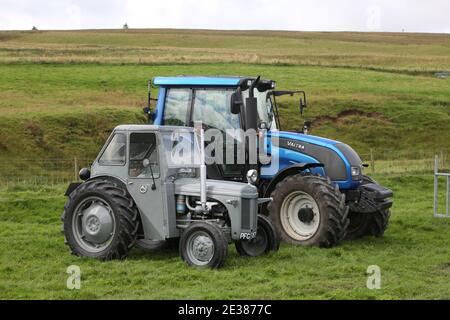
point(437, 174)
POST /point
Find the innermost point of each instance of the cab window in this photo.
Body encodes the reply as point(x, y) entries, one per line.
point(114, 153)
point(143, 156)
point(176, 106)
point(212, 108)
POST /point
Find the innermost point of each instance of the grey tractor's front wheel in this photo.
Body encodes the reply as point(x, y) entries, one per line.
point(203, 244)
point(266, 240)
point(308, 210)
point(100, 220)
point(367, 224)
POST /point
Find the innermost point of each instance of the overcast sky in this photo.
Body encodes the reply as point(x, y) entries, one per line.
point(308, 15)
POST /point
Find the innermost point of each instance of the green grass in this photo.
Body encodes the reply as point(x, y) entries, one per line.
point(414, 257)
point(387, 51)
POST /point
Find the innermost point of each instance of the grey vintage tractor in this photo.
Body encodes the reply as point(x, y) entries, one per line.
point(149, 183)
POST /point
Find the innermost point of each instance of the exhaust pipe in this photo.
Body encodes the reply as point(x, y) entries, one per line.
point(199, 129)
point(202, 170)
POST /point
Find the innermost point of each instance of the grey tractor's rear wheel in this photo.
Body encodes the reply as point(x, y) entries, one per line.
point(367, 224)
point(308, 210)
point(266, 240)
point(204, 245)
point(100, 220)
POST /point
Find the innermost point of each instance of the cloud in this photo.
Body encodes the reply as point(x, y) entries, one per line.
point(324, 15)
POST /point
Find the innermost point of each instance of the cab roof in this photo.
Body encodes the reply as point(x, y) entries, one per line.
point(151, 127)
point(198, 81)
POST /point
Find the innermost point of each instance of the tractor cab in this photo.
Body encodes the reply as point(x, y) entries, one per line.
point(181, 101)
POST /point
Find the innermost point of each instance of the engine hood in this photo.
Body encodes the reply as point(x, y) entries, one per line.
point(337, 157)
point(191, 187)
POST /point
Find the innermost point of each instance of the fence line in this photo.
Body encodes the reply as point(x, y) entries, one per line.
point(62, 171)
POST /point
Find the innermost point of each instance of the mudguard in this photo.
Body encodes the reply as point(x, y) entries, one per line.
point(288, 171)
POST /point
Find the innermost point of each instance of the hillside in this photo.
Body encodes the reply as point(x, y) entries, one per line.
point(61, 92)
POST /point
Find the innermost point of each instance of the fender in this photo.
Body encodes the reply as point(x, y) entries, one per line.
point(288, 171)
point(72, 187)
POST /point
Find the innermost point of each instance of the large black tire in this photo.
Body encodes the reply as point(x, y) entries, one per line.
point(124, 213)
point(267, 239)
point(209, 254)
point(367, 224)
point(326, 222)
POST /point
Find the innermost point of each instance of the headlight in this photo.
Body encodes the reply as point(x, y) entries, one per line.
point(356, 171)
point(252, 176)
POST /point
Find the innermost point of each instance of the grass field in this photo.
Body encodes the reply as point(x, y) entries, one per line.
point(386, 51)
point(62, 92)
point(414, 257)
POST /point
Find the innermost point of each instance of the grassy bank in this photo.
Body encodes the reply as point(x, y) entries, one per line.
point(62, 111)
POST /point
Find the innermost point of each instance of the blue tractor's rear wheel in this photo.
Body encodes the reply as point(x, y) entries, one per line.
point(308, 210)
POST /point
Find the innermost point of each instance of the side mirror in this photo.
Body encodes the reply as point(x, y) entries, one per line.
point(236, 102)
point(146, 163)
point(251, 113)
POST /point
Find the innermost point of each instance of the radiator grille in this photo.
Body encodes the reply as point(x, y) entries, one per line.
point(246, 210)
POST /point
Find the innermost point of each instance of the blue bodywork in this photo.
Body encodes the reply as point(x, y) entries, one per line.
point(287, 157)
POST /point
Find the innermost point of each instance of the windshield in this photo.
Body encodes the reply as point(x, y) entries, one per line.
point(265, 108)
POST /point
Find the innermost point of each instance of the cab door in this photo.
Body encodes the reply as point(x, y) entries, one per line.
point(144, 183)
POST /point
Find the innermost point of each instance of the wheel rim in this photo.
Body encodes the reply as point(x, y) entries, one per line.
point(93, 224)
point(258, 245)
point(300, 216)
point(200, 248)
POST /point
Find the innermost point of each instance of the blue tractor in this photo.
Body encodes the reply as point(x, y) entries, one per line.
point(319, 192)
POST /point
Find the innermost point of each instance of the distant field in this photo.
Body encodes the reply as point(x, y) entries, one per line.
point(381, 51)
point(414, 257)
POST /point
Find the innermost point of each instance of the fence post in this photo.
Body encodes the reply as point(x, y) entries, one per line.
point(436, 170)
point(75, 169)
point(372, 162)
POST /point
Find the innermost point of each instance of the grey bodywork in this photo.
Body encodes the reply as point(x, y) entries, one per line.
point(157, 207)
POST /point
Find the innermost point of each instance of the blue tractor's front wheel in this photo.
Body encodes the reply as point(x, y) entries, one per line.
point(367, 223)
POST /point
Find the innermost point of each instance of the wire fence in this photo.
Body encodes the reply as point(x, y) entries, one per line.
point(41, 171)
point(63, 171)
point(392, 161)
